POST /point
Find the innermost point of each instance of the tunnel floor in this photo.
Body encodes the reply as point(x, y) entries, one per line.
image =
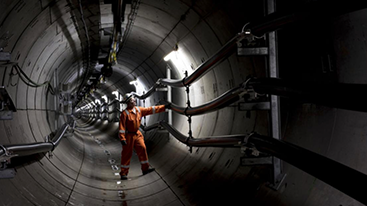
point(98, 181)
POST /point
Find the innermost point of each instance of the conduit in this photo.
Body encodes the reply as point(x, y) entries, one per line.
point(339, 95)
point(18, 150)
point(214, 141)
point(200, 71)
point(314, 164)
point(267, 24)
point(225, 99)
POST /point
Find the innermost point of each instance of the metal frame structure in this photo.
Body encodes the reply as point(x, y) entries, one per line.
point(278, 176)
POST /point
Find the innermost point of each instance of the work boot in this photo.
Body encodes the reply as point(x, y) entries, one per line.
point(149, 170)
point(123, 176)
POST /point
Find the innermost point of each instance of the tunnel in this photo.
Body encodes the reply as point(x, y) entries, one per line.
point(267, 101)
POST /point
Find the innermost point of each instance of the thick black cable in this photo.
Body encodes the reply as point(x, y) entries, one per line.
point(23, 76)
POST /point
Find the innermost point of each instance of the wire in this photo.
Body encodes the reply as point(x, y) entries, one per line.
point(30, 82)
point(243, 28)
point(88, 46)
point(249, 30)
point(130, 22)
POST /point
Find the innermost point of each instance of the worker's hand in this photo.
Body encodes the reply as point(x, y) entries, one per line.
point(123, 142)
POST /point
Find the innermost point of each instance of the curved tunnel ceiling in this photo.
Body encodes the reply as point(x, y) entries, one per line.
point(66, 38)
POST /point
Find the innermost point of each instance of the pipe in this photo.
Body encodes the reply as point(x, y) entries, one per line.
point(339, 95)
point(337, 175)
point(269, 23)
point(218, 141)
point(148, 93)
point(314, 164)
point(225, 99)
point(150, 127)
point(26, 149)
point(201, 70)
point(205, 67)
point(32, 148)
point(60, 133)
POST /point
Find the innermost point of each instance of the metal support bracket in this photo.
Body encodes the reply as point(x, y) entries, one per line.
point(248, 161)
point(252, 156)
point(5, 56)
point(7, 173)
point(278, 175)
point(278, 181)
point(252, 45)
point(252, 51)
point(161, 89)
point(7, 155)
point(245, 106)
point(6, 105)
point(48, 139)
point(6, 115)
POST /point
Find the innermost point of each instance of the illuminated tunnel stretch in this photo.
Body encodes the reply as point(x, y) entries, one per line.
point(55, 60)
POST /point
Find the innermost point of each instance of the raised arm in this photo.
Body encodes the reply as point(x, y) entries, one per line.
point(152, 110)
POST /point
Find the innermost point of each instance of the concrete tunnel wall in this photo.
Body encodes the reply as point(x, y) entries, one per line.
point(48, 37)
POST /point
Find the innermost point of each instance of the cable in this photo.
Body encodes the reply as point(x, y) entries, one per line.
point(33, 84)
point(88, 46)
point(30, 82)
point(249, 32)
point(244, 26)
point(131, 19)
point(163, 40)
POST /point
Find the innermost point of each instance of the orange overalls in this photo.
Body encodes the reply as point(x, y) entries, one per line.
point(129, 130)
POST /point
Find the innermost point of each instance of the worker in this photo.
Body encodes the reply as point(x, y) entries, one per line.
point(130, 136)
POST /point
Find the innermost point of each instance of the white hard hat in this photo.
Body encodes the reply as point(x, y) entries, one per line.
point(127, 97)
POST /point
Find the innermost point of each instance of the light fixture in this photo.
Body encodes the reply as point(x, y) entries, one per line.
point(180, 61)
point(116, 93)
point(169, 56)
point(134, 82)
point(138, 85)
point(105, 98)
